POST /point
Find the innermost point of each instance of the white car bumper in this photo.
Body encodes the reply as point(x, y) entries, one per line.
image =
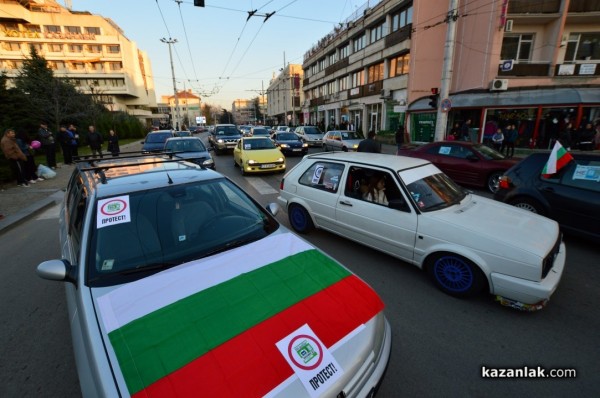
point(529, 292)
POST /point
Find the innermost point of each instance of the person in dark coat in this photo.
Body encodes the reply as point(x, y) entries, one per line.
point(399, 138)
point(95, 141)
point(113, 143)
point(65, 138)
point(48, 142)
point(369, 144)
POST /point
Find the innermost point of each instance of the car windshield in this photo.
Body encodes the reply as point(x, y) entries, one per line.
point(487, 152)
point(169, 226)
point(265, 143)
point(433, 191)
point(193, 145)
point(312, 130)
point(260, 132)
point(351, 135)
point(227, 130)
point(158, 137)
point(287, 137)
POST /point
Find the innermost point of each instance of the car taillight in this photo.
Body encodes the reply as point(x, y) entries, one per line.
point(281, 184)
point(504, 182)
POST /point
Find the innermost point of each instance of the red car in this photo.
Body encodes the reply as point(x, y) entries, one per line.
point(466, 163)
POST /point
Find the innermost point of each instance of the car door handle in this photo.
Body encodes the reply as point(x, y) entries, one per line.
point(548, 189)
point(343, 202)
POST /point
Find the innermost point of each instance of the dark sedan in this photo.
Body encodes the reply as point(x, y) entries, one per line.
point(571, 197)
point(190, 148)
point(155, 140)
point(290, 143)
point(466, 163)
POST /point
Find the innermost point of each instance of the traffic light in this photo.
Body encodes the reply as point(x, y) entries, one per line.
point(199, 3)
point(433, 98)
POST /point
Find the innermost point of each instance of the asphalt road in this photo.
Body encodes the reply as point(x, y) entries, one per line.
point(439, 343)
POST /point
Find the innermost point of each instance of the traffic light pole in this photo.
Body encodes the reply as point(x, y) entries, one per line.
point(442, 115)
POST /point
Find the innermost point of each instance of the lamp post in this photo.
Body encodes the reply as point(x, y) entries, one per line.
point(176, 116)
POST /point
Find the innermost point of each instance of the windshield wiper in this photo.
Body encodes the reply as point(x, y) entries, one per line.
point(148, 268)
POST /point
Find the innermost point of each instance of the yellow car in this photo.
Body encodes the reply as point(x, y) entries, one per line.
point(258, 155)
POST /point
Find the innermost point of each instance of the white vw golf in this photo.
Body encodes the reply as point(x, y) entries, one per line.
point(409, 209)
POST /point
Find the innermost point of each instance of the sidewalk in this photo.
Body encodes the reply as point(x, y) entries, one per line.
point(20, 203)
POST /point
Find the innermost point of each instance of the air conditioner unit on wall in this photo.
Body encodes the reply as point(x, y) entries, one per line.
point(499, 85)
point(508, 25)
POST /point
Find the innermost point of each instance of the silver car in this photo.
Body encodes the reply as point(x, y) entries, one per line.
point(341, 140)
point(310, 135)
point(179, 283)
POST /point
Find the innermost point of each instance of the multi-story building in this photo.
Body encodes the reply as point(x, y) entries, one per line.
point(249, 111)
point(90, 50)
point(533, 64)
point(184, 110)
point(285, 96)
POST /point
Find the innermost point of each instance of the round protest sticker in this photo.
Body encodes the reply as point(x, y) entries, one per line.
point(305, 352)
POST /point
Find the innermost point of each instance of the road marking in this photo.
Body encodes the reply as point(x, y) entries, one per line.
point(262, 186)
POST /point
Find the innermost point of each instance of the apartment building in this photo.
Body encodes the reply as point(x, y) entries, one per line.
point(533, 64)
point(183, 110)
point(90, 50)
point(249, 111)
point(285, 96)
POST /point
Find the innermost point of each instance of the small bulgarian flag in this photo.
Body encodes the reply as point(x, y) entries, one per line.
point(210, 327)
point(559, 158)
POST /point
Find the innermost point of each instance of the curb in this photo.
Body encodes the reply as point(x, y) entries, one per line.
point(30, 211)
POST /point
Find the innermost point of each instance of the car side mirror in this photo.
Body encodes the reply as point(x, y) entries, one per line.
point(273, 208)
point(57, 270)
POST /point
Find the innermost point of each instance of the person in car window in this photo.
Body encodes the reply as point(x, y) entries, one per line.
point(375, 191)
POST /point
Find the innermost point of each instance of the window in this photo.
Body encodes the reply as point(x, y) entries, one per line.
point(57, 65)
point(343, 83)
point(375, 72)
point(331, 87)
point(75, 48)
point(97, 66)
point(517, 47)
point(359, 42)
point(583, 174)
point(358, 78)
point(77, 65)
point(52, 29)
point(37, 46)
point(401, 19)
point(115, 65)
point(321, 90)
point(9, 46)
point(113, 49)
point(322, 64)
point(378, 32)
point(55, 48)
point(94, 48)
point(399, 65)
point(314, 68)
point(33, 28)
point(345, 51)
point(371, 185)
point(583, 47)
point(75, 30)
point(332, 58)
point(92, 30)
point(323, 175)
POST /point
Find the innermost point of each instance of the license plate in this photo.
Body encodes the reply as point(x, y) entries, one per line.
point(267, 166)
point(296, 150)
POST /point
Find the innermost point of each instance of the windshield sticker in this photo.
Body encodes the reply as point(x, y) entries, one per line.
point(247, 146)
point(444, 150)
point(590, 173)
point(107, 265)
point(312, 362)
point(317, 174)
point(113, 211)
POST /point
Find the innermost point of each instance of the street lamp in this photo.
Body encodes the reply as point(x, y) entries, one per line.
point(176, 116)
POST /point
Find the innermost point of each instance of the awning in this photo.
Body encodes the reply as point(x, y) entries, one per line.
point(503, 99)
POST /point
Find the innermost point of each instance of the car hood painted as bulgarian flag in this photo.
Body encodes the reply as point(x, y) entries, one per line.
point(210, 327)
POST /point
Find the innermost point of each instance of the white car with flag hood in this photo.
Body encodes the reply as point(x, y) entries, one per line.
point(408, 208)
point(179, 284)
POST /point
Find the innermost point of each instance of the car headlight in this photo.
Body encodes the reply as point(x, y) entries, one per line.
point(208, 162)
point(220, 140)
point(355, 146)
point(280, 160)
point(284, 145)
point(250, 161)
point(305, 145)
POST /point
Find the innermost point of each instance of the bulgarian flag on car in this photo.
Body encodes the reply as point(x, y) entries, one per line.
point(210, 327)
point(559, 157)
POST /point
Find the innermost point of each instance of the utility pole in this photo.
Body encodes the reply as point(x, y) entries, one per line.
point(285, 92)
point(442, 116)
point(176, 116)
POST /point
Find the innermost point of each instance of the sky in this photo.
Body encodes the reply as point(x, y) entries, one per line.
point(220, 54)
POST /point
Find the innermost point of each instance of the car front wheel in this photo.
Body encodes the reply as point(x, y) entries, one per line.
point(455, 275)
point(300, 219)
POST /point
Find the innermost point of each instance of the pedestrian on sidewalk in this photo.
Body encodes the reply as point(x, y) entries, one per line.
point(48, 142)
point(15, 156)
point(399, 137)
point(369, 144)
point(75, 140)
point(24, 143)
point(95, 141)
point(113, 143)
point(65, 138)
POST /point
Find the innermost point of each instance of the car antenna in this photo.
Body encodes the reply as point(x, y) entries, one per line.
point(170, 181)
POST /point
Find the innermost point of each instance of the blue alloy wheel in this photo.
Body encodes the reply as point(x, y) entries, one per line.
point(456, 275)
point(300, 219)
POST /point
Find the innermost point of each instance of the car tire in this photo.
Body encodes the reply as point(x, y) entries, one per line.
point(344, 149)
point(529, 204)
point(300, 219)
point(325, 149)
point(493, 181)
point(455, 275)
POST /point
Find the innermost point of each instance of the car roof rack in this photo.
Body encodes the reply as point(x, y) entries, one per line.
point(100, 168)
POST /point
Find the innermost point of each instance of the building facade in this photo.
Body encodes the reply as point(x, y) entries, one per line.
point(531, 64)
point(249, 111)
point(285, 97)
point(183, 110)
point(90, 50)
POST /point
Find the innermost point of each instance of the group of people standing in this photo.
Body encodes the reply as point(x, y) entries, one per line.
point(18, 149)
point(503, 140)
